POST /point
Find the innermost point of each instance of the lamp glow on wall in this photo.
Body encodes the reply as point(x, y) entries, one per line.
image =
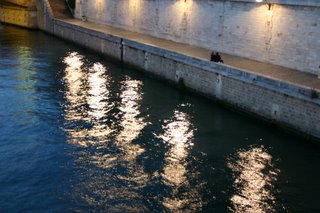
point(266, 1)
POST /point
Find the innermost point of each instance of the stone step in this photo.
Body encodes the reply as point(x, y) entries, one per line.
point(60, 9)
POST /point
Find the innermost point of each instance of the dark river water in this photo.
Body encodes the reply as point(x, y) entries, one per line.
point(81, 134)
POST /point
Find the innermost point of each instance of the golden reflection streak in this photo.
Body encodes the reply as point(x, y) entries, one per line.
point(178, 134)
point(25, 71)
point(253, 180)
point(74, 78)
point(87, 99)
point(97, 100)
point(131, 126)
point(97, 91)
point(25, 63)
point(134, 177)
point(131, 123)
point(86, 88)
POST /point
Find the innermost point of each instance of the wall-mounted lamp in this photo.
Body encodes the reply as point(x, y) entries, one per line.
point(267, 2)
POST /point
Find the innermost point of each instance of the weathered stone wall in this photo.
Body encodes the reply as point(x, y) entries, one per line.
point(19, 16)
point(284, 104)
point(288, 34)
point(45, 16)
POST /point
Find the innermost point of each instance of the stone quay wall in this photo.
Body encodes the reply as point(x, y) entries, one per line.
point(45, 14)
point(287, 105)
point(286, 34)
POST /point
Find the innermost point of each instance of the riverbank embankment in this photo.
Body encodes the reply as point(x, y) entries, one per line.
point(285, 97)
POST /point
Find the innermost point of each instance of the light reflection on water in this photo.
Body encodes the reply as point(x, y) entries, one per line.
point(112, 148)
point(178, 135)
point(97, 92)
point(86, 100)
point(80, 134)
point(254, 179)
point(131, 124)
point(88, 106)
point(74, 80)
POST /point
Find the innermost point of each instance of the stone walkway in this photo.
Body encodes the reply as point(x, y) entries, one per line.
point(259, 68)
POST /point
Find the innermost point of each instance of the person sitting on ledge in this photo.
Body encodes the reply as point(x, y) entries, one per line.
point(215, 57)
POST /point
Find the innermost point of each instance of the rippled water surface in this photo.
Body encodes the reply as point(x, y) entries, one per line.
point(80, 134)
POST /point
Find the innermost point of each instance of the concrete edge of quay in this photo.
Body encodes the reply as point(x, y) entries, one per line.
point(284, 104)
point(291, 89)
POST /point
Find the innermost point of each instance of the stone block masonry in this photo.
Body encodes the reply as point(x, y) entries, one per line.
point(236, 31)
point(20, 16)
point(278, 102)
point(282, 103)
point(287, 34)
